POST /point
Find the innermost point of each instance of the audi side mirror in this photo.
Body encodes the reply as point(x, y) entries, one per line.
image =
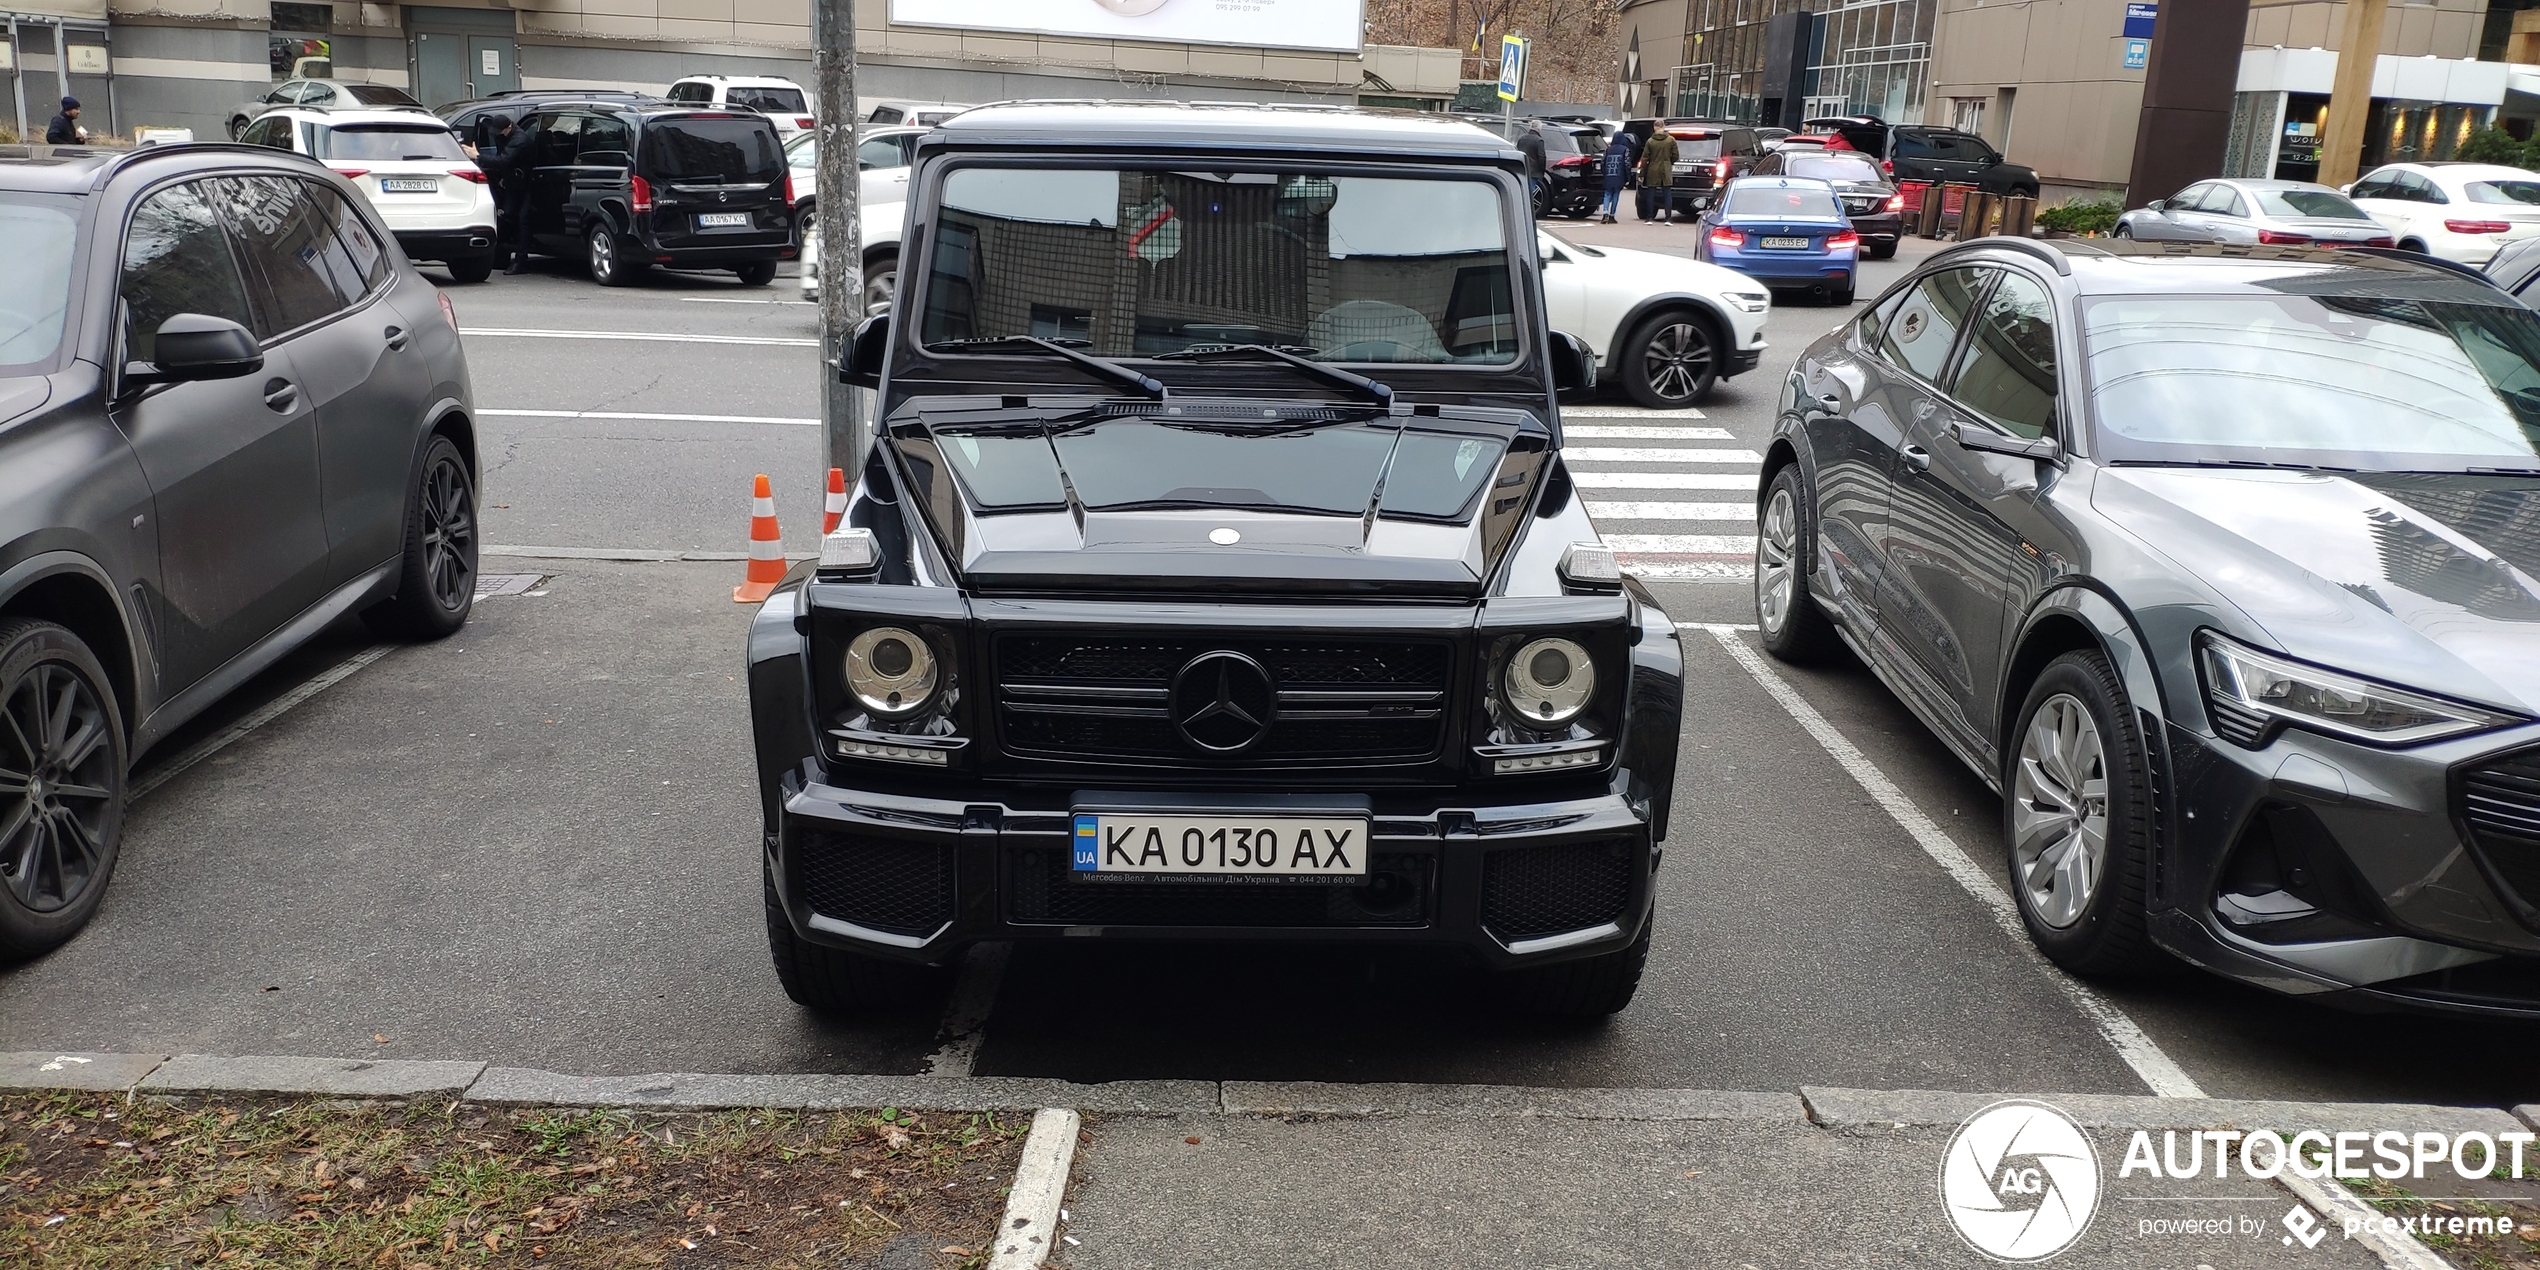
point(1573, 367)
point(868, 352)
point(192, 346)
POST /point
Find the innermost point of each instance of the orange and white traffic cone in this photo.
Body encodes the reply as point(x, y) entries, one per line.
point(767, 548)
point(837, 502)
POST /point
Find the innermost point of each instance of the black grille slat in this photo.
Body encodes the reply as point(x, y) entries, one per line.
point(1343, 702)
point(2500, 802)
point(1043, 892)
point(2237, 724)
point(903, 888)
point(1531, 891)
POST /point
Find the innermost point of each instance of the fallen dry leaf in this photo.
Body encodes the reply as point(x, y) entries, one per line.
point(1192, 1141)
point(954, 1250)
point(895, 1136)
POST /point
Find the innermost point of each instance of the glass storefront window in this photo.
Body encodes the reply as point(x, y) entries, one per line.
point(297, 47)
point(1870, 58)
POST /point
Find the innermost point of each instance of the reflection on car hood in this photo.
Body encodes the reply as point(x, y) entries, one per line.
point(2430, 581)
point(22, 395)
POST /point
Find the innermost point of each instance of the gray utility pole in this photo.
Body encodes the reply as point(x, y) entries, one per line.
point(841, 228)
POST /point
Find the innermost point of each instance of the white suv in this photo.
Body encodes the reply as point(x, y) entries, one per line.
point(781, 100)
point(2459, 211)
point(411, 169)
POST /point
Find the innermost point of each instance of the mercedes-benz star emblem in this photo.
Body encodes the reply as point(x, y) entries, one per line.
point(1223, 702)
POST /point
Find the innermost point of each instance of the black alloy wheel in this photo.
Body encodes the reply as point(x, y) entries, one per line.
point(61, 786)
point(1671, 361)
point(436, 587)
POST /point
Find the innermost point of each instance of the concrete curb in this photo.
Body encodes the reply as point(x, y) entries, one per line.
point(52, 1069)
point(693, 1092)
point(1029, 1234)
point(1891, 1109)
point(2529, 1113)
point(1291, 1098)
point(342, 1077)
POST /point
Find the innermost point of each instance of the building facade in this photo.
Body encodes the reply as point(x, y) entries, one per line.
point(1778, 61)
point(190, 63)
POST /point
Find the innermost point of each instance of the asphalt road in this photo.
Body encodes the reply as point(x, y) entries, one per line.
point(534, 843)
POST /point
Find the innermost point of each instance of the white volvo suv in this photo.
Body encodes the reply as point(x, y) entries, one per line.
point(435, 200)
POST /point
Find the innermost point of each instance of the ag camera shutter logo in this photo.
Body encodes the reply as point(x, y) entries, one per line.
point(2020, 1181)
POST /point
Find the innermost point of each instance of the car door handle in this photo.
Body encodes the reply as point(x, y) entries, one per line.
point(1916, 457)
point(281, 395)
point(397, 337)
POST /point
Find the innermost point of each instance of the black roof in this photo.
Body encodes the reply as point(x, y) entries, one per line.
point(1215, 126)
point(81, 169)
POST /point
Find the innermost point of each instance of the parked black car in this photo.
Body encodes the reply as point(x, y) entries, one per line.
point(1870, 200)
point(1918, 152)
point(627, 187)
point(2218, 562)
point(1572, 186)
point(474, 120)
point(1156, 616)
point(1709, 155)
point(230, 413)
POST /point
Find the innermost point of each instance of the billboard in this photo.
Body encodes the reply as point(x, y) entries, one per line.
point(1337, 26)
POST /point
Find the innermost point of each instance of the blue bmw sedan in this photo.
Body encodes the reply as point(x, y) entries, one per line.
point(1784, 231)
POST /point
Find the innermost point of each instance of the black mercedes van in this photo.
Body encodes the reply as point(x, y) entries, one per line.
point(627, 187)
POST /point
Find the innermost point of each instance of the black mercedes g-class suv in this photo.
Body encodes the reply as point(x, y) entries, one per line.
point(1214, 573)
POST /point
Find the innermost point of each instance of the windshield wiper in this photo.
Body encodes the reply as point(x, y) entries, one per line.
point(1110, 370)
point(1382, 393)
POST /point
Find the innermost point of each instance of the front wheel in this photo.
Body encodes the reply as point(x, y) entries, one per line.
point(1671, 361)
point(1794, 628)
point(756, 273)
point(436, 585)
point(833, 981)
point(2077, 819)
point(61, 786)
point(2124, 230)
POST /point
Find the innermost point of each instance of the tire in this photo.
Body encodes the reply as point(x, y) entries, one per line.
point(471, 272)
point(2122, 230)
point(1840, 299)
point(237, 126)
point(61, 787)
point(609, 266)
point(2076, 729)
point(1882, 251)
point(436, 581)
point(2412, 244)
point(1793, 628)
point(756, 273)
point(833, 981)
point(1671, 360)
point(881, 279)
point(1588, 988)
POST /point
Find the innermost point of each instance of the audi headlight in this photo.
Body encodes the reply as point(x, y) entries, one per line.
point(2247, 690)
point(1549, 681)
point(891, 671)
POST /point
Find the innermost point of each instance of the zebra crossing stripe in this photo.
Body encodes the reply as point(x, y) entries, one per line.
point(1653, 454)
point(1630, 432)
point(1626, 412)
point(1742, 512)
point(1664, 480)
point(1681, 544)
point(1687, 569)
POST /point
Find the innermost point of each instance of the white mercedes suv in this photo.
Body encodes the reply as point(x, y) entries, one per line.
point(435, 200)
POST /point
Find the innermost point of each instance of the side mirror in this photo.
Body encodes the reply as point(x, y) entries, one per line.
point(2157, 205)
point(868, 352)
point(1573, 367)
point(1971, 436)
point(194, 346)
point(2347, 189)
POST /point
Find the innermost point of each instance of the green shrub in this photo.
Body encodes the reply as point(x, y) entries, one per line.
point(2095, 215)
point(2494, 145)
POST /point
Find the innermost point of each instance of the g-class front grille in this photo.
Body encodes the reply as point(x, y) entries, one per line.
point(1212, 703)
point(2500, 802)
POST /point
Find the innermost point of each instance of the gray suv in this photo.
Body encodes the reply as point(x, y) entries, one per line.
point(230, 414)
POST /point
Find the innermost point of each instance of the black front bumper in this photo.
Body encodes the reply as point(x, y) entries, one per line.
point(921, 878)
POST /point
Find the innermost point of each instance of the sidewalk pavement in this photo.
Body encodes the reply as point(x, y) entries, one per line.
point(1238, 1173)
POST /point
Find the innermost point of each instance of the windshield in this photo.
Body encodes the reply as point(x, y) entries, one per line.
point(36, 290)
point(2322, 204)
point(380, 144)
point(379, 95)
point(1138, 263)
point(725, 149)
point(1832, 167)
point(1779, 202)
point(1126, 464)
point(2370, 383)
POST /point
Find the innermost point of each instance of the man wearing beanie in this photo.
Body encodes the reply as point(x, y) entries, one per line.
point(65, 129)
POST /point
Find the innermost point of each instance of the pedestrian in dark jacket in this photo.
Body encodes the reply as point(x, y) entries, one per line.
point(1530, 144)
point(1616, 166)
point(64, 130)
point(507, 163)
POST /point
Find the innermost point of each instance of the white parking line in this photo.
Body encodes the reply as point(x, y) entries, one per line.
point(656, 337)
point(1635, 432)
point(639, 417)
point(1743, 513)
point(2149, 1061)
point(255, 719)
point(722, 299)
point(1661, 480)
point(1651, 454)
point(1682, 544)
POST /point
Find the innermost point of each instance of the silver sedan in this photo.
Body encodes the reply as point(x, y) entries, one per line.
point(2274, 213)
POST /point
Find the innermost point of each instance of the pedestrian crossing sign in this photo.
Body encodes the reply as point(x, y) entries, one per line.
point(1512, 67)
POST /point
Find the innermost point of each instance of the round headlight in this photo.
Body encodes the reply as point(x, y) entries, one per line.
point(1549, 681)
point(890, 670)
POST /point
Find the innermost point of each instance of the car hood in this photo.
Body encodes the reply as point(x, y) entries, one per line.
point(22, 395)
point(2424, 580)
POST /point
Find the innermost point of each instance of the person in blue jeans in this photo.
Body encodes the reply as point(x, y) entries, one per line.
point(1616, 165)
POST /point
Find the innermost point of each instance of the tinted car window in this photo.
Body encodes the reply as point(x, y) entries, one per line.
point(41, 230)
point(176, 260)
point(2378, 185)
point(2009, 373)
point(1790, 203)
point(722, 149)
point(692, 92)
point(1926, 325)
point(881, 152)
point(378, 95)
point(1704, 148)
point(774, 101)
point(370, 257)
point(1827, 167)
point(1911, 146)
point(2421, 190)
point(382, 143)
point(606, 142)
point(2504, 191)
point(2317, 203)
point(299, 270)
